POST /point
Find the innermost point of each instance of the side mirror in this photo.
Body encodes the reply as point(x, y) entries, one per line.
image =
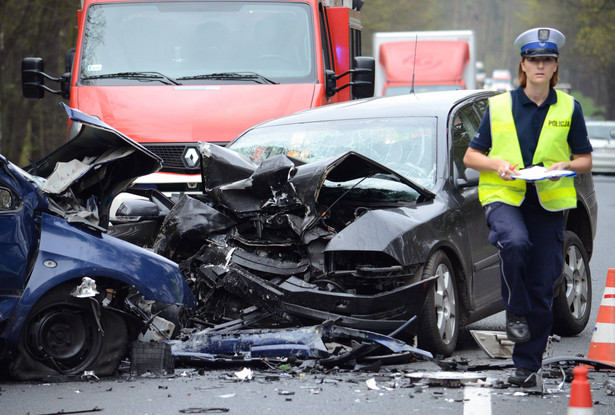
point(330, 83)
point(137, 208)
point(470, 178)
point(69, 59)
point(32, 80)
point(65, 85)
point(363, 74)
point(362, 78)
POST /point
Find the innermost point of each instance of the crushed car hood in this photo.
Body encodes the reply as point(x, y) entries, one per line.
point(259, 236)
point(96, 164)
point(227, 175)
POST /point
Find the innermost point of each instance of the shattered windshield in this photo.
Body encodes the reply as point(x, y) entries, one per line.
point(406, 145)
point(188, 42)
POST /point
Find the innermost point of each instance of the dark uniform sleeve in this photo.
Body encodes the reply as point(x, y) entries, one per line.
point(482, 138)
point(577, 136)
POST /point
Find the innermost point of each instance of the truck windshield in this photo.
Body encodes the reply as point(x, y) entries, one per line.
point(198, 42)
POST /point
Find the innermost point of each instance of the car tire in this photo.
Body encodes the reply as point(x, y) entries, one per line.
point(572, 302)
point(438, 328)
point(61, 337)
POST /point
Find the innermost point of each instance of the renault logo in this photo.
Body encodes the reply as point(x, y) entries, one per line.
point(191, 157)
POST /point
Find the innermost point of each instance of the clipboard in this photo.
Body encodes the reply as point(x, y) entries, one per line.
point(537, 173)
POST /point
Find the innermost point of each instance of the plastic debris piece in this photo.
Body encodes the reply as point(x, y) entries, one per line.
point(451, 379)
point(227, 395)
point(244, 374)
point(151, 357)
point(89, 375)
point(159, 329)
point(86, 289)
point(560, 386)
point(371, 384)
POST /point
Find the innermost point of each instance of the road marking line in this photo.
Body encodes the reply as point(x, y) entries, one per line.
point(476, 401)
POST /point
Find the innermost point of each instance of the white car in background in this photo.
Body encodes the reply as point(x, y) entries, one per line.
point(602, 137)
point(502, 80)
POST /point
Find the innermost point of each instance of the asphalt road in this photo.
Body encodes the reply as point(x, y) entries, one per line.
point(273, 391)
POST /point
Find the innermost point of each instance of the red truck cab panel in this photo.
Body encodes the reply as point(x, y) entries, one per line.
point(190, 113)
point(436, 62)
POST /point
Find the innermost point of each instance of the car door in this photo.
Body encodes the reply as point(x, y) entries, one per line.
point(484, 284)
point(17, 233)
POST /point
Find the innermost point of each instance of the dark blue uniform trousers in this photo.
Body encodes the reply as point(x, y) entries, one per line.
point(529, 239)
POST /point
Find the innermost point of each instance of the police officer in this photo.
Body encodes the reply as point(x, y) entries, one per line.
point(531, 125)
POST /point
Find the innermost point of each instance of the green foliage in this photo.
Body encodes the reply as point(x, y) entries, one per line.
point(590, 109)
point(32, 128)
point(396, 16)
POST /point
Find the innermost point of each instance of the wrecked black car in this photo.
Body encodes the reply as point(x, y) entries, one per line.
point(72, 298)
point(361, 213)
point(301, 242)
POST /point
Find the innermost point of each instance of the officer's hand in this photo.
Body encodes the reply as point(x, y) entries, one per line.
point(562, 165)
point(506, 170)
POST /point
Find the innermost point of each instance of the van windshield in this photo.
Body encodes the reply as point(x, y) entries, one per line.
point(198, 42)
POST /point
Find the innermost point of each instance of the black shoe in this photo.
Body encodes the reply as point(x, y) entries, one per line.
point(517, 329)
point(523, 377)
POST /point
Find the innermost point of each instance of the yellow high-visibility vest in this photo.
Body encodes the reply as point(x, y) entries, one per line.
point(552, 147)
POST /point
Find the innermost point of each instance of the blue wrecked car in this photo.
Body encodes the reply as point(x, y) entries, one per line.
point(72, 297)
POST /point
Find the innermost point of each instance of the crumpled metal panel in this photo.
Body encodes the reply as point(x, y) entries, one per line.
point(241, 346)
point(273, 235)
point(96, 164)
point(191, 221)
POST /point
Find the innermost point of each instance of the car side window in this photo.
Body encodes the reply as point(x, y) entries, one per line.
point(481, 107)
point(465, 122)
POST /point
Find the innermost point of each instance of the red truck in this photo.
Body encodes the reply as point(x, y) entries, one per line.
point(172, 73)
point(436, 60)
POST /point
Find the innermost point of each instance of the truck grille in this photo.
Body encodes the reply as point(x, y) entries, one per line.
point(174, 158)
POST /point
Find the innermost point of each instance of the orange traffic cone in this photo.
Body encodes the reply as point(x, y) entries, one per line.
point(602, 346)
point(580, 394)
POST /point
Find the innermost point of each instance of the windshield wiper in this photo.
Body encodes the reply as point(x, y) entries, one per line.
point(249, 76)
point(148, 76)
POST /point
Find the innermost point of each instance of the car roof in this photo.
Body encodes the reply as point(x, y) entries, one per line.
point(427, 104)
point(600, 122)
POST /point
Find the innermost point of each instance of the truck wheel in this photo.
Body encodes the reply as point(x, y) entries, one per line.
point(439, 323)
point(61, 336)
point(573, 299)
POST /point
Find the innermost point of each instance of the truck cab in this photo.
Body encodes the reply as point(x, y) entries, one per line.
point(436, 60)
point(171, 73)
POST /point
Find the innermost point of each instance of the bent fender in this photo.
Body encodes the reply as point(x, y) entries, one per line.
point(68, 252)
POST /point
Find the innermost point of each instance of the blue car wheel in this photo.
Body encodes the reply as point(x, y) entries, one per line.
point(64, 335)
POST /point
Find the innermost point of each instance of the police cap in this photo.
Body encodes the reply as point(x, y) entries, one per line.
point(540, 41)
